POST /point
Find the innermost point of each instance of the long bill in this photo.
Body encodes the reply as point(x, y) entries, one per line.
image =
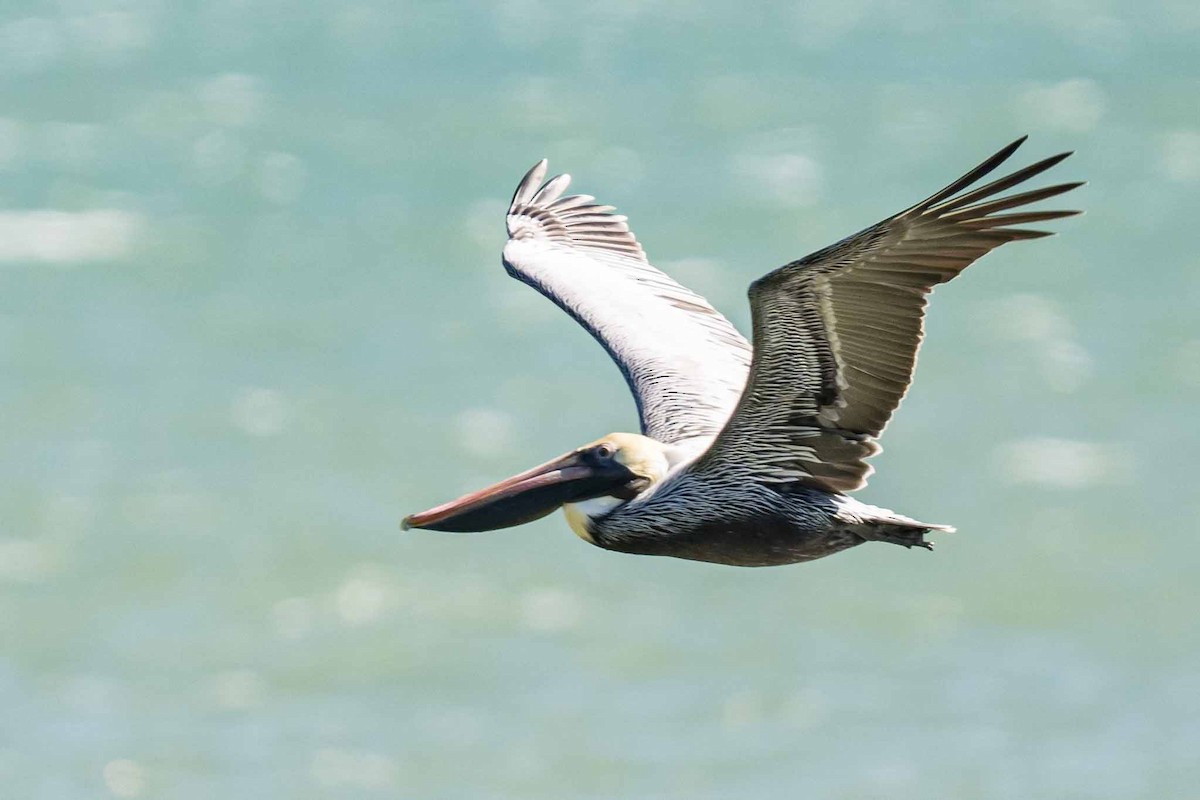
point(522, 498)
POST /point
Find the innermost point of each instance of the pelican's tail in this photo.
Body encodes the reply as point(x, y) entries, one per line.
point(907, 534)
point(881, 525)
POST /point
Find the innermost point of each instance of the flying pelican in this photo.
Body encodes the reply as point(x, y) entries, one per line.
point(746, 455)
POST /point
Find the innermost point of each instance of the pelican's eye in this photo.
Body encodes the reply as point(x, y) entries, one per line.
point(604, 451)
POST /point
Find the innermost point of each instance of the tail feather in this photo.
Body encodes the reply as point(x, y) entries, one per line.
point(881, 525)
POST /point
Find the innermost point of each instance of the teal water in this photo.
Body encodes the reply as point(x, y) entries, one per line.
point(252, 313)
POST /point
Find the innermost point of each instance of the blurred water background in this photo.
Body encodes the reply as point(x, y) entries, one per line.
point(252, 312)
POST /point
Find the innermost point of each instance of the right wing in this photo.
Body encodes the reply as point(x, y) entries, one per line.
point(685, 363)
point(836, 333)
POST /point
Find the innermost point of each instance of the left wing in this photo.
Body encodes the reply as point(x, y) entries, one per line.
point(836, 333)
point(683, 361)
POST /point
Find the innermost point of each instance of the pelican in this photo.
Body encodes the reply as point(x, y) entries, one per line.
point(746, 456)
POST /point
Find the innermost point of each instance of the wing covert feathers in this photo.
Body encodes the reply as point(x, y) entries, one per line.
point(836, 333)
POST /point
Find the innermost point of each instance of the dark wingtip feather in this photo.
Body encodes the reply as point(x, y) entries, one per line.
point(1066, 187)
point(1004, 152)
point(961, 209)
point(989, 164)
point(1018, 234)
point(999, 185)
point(1020, 218)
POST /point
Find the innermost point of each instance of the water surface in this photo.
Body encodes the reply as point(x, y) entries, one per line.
point(252, 313)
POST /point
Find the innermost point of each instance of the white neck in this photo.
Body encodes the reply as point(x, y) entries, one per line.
point(580, 514)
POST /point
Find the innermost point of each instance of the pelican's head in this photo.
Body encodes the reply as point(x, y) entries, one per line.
point(590, 481)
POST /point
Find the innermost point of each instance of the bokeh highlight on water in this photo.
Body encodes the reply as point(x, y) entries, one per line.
point(252, 313)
